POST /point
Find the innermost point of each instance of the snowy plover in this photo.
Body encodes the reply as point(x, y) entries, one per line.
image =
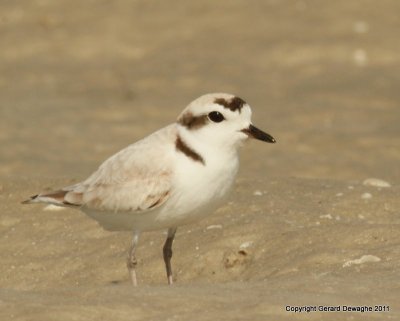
point(172, 177)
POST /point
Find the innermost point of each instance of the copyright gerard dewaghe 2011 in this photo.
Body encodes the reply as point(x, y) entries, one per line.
point(337, 308)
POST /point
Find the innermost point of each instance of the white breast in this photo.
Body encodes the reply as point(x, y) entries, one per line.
point(199, 188)
point(195, 188)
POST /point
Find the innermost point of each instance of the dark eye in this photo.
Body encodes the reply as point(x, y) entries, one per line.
point(216, 116)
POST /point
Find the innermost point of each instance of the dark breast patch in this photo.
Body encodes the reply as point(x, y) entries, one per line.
point(181, 146)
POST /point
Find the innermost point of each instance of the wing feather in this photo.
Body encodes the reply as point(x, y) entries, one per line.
point(136, 179)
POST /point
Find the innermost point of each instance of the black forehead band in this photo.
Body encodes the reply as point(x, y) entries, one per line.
point(232, 104)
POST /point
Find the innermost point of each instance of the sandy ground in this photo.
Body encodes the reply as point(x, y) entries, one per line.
point(80, 81)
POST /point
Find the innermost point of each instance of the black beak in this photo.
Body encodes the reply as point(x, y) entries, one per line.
point(256, 133)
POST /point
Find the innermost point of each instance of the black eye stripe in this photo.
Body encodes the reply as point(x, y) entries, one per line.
point(216, 117)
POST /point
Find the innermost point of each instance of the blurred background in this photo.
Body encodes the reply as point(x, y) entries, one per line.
point(80, 80)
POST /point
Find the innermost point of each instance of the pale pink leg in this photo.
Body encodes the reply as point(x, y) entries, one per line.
point(132, 262)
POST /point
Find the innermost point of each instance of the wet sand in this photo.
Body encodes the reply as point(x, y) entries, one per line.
point(301, 228)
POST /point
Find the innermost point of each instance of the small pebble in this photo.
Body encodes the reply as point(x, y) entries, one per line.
point(257, 193)
point(328, 216)
point(245, 245)
point(366, 196)
point(376, 182)
point(360, 57)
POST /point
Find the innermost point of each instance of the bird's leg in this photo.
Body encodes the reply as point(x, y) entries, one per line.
point(167, 253)
point(132, 262)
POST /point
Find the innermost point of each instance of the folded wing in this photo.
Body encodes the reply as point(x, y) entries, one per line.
point(138, 178)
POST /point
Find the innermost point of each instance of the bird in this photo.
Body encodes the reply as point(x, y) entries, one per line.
point(173, 177)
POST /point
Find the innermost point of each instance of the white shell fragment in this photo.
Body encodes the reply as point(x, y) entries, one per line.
point(361, 260)
point(52, 207)
point(213, 227)
point(376, 182)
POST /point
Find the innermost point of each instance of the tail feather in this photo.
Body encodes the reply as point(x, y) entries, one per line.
point(55, 198)
point(31, 199)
